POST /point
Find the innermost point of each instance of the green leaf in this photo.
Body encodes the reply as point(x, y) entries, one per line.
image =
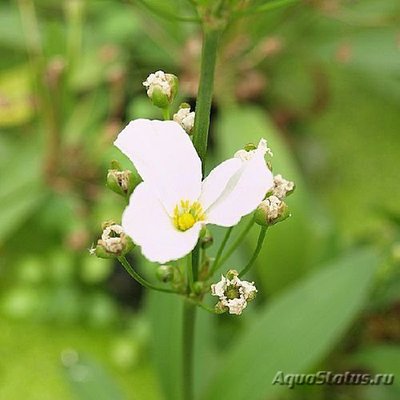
point(21, 190)
point(295, 331)
point(166, 320)
point(89, 381)
point(15, 104)
point(382, 359)
point(165, 313)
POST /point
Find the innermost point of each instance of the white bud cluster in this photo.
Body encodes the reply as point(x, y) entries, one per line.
point(246, 155)
point(233, 293)
point(112, 238)
point(159, 80)
point(282, 187)
point(185, 118)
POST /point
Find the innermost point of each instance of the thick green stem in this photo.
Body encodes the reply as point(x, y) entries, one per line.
point(205, 93)
point(260, 242)
point(200, 141)
point(139, 279)
point(189, 318)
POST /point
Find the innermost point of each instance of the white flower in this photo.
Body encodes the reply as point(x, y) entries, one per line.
point(233, 293)
point(168, 209)
point(160, 80)
point(282, 186)
point(185, 118)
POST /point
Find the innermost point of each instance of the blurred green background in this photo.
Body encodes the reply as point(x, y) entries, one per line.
point(320, 79)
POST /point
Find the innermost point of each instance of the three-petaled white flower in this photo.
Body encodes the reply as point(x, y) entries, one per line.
point(168, 209)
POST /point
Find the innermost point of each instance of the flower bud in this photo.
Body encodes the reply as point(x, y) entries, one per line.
point(206, 239)
point(282, 187)
point(161, 88)
point(165, 273)
point(220, 308)
point(122, 182)
point(185, 118)
point(250, 147)
point(271, 211)
point(200, 287)
point(113, 243)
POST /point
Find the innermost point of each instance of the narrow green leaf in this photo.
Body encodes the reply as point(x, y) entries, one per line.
point(296, 331)
point(380, 359)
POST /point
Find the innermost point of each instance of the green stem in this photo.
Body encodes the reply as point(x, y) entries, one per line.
point(260, 242)
point(237, 242)
point(166, 114)
point(190, 273)
point(189, 318)
point(204, 97)
point(139, 279)
point(220, 250)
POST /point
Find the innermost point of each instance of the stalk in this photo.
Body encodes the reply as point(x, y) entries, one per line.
point(200, 141)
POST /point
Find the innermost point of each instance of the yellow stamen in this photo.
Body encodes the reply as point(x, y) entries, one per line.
point(186, 214)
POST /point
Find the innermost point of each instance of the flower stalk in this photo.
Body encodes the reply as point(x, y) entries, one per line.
point(205, 92)
point(200, 142)
point(260, 242)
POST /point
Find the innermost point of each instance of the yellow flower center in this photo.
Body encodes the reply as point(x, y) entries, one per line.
point(186, 214)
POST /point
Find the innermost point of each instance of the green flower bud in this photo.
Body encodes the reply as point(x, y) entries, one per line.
point(122, 182)
point(165, 273)
point(250, 147)
point(198, 287)
point(161, 88)
point(113, 243)
point(271, 211)
point(232, 273)
point(220, 308)
point(206, 240)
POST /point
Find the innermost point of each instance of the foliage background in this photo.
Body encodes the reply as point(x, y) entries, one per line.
point(319, 79)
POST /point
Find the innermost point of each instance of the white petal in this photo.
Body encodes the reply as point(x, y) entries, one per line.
point(243, 193)
point(216, 181)
point(165, 158)
point(148, 224)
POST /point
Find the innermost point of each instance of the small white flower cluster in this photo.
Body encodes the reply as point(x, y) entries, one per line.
point(160, 80)
point(246, 155)
point(273, 209)
point(112, 238)
point(233, 293)
point(185, 118)
point(282, 187)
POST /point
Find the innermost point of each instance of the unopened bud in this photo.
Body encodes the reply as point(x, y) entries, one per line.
point(122, 182)
point(282, 187)
point(161, 88)
point(199, 287)
point(185, 118)
point(220, 308)
point(206, 239)
point(271, 211)
point(250, 147)
point(113, 243)
point(165, 273)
